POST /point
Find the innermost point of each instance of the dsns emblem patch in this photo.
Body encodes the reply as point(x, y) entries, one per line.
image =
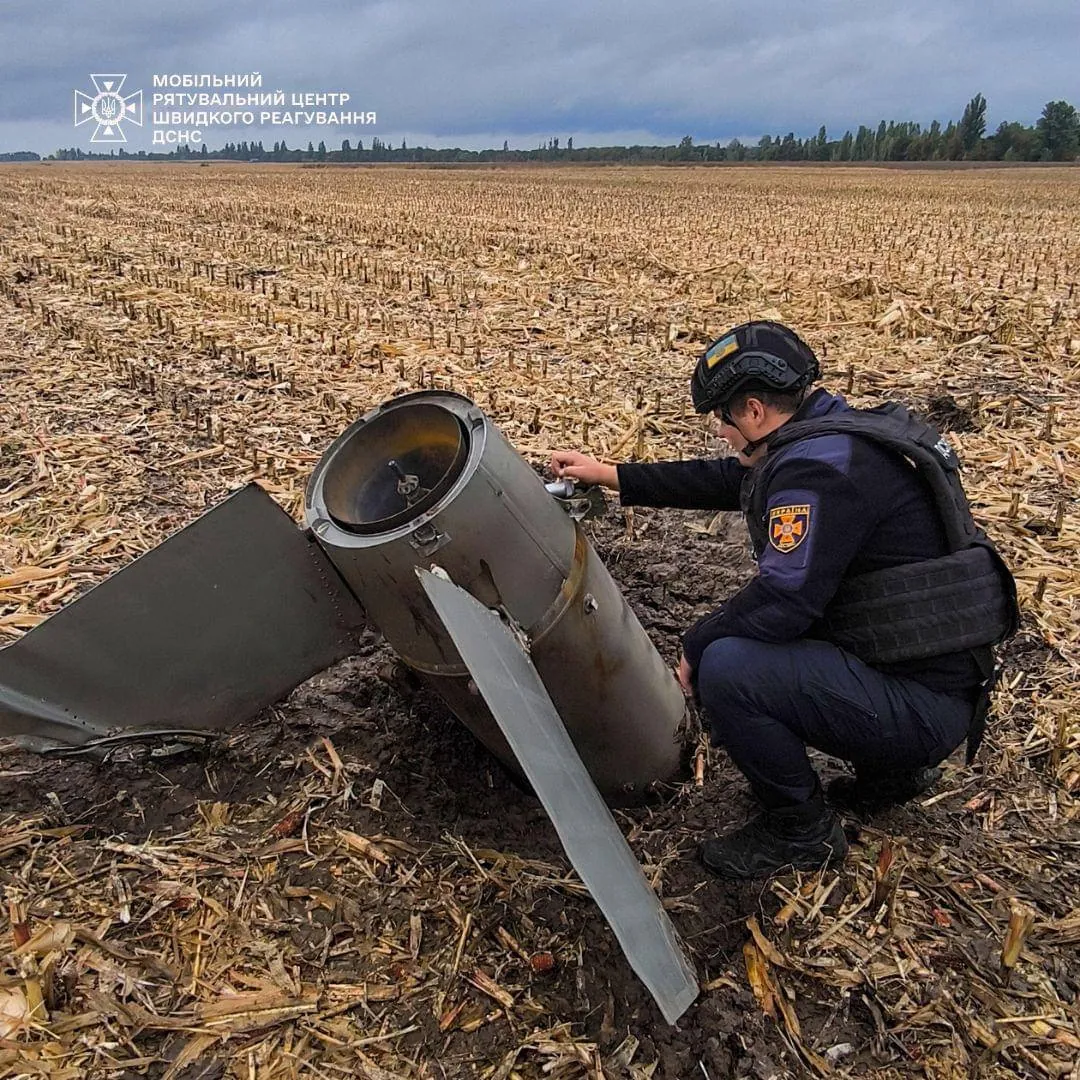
point(788, 526)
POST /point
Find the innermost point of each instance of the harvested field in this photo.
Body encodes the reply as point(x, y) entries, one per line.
point(350, 886)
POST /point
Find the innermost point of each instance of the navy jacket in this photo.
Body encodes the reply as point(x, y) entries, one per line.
point(838, 505)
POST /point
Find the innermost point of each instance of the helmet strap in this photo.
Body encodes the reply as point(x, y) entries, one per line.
point(753, 444)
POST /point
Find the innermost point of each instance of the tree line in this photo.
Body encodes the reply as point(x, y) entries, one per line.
point(1055, 136)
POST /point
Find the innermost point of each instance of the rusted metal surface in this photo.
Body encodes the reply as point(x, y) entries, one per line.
point(222, 619)
point(461, 496)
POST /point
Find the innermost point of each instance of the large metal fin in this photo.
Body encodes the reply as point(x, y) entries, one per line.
point(511, 686)
point(219, 621)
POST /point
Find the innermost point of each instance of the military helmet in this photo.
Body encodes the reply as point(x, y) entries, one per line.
point(759, 355)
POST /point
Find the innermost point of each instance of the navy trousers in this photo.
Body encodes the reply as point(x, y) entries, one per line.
point(766, 703)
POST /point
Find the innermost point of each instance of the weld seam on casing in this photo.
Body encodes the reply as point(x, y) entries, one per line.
point(547, 622)
point(526, 525)
point(568, 590)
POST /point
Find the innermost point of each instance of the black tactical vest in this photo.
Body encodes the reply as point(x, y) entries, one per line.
point(921, 609)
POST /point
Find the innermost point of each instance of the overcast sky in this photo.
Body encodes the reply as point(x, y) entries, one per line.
point(472, 73)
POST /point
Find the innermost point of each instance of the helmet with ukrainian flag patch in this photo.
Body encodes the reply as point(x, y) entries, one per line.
point(757, 355)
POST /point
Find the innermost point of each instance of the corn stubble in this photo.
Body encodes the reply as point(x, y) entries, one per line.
point(171, 333)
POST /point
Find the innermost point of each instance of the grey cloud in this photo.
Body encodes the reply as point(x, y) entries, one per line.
point(484, 67)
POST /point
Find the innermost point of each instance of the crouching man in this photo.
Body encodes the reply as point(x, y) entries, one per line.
point(867, 631)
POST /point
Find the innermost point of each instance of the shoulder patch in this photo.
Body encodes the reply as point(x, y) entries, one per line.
point(788, 526)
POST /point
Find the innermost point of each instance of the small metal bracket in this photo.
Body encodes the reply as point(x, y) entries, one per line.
point(427, 539)
point(581, 504)
point(182, 739)
point(586, 504)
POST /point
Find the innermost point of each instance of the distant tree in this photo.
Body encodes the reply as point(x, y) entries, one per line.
point(820, 147)
point(952, 146)
point(933, 140)
point(1014, 142)
point(879, 141)
point(905, 142)
point(1056, 136)
point(1059, 129)
point(973, 123)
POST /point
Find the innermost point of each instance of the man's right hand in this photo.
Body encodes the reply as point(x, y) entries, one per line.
point(574, 465)
point(686, 676)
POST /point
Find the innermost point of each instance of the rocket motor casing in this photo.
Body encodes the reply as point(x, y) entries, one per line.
point(428, 479)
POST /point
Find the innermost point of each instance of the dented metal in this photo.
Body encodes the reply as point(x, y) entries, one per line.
point(222, 619)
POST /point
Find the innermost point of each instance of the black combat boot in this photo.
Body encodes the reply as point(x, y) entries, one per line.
point(803, 837)
point(875, 791)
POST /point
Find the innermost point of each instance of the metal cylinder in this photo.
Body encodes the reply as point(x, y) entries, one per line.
point(427, 478)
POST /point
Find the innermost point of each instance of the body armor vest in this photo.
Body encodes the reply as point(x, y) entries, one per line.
point(958, 601)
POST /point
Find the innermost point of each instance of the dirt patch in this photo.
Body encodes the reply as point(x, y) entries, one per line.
point(671, 575)
point(947, 414)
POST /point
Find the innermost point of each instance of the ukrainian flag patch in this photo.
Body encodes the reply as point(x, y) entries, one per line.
point(724, 347)
point(788, 527)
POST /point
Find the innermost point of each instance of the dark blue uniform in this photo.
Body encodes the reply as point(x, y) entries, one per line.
point(837, 505)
